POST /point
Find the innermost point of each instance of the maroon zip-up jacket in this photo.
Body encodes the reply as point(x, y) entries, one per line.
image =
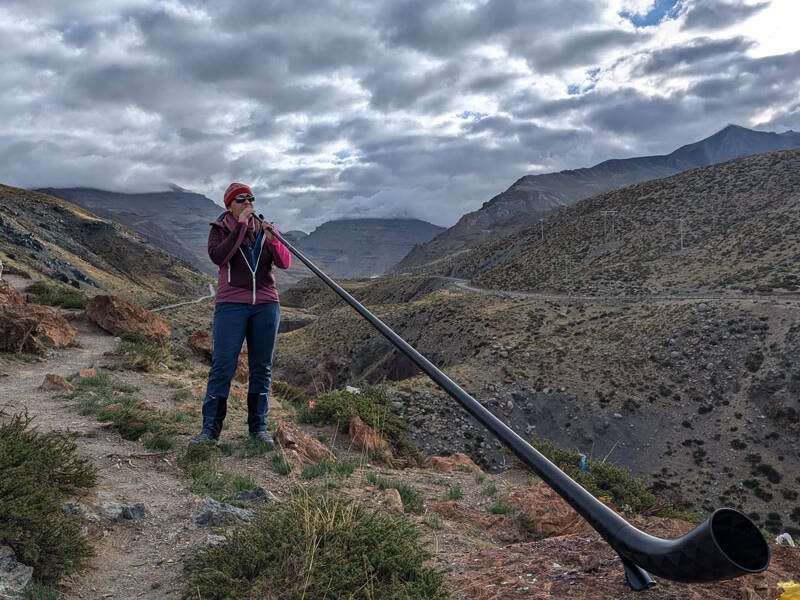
point(237, 280)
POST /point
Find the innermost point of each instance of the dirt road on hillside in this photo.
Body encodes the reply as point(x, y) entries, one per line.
point(464, 284)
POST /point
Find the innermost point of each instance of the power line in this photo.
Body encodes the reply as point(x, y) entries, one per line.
point(681, 221)
point(613, 214)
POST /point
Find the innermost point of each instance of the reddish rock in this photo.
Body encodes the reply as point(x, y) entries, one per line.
point(56, 383)
point(115, 406)
point(8, 295)
point(450, 463)
point(144, 405)
point(391, 500)
point(119, 316)
point(545, 514)
point(91, 372)
point(300, 448)
point(202, 343)
point(369, 439)
point(33, 329)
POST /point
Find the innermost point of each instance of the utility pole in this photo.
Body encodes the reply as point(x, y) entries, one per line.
point(680, 225)
point(541, 222)
point(613, 215)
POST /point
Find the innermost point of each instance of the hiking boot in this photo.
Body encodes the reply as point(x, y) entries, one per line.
point(203, 436)
point(262, 437)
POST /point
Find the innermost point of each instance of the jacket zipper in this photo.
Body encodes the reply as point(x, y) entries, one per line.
point(252, 270)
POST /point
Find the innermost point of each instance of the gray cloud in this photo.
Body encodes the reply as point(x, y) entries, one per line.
point(362, 108)
point(714, 14)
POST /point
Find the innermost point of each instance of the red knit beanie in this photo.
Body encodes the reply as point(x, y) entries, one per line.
point(234, 190)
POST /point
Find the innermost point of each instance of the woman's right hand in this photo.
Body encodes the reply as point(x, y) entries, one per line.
point(247, 213)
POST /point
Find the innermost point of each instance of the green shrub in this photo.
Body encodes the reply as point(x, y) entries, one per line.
point(37, 473)
point(316, 548)
point(160, 442)
point(56, 295)
point(37, 591)
point(101, 396)
point(499, 508)
point(454, 492)
point(280, 465)
point(285, 391)
point(411, 497)
point(206, 476)
point(602, 478)
point(372, 405)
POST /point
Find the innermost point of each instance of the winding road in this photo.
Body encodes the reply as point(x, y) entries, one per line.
point(520, 295)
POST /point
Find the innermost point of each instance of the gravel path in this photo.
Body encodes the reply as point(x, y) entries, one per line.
point(134, 559)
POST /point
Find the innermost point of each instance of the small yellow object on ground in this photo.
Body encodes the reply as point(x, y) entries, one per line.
point(791, 590)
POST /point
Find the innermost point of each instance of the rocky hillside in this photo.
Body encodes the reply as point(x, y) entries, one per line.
point(364, 247)
point(175, 221)
point(536, 196)
point(700, 398)
point(106, 460)
point(52, 239)
point(741, 226)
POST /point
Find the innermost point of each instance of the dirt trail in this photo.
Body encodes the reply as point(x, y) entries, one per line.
point(134, 559)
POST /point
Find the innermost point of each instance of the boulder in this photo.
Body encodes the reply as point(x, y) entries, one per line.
point(365, 436)
point(8, 295)
point(217, 514)
point(90, 372)
point(118, 316)
point(111, 510)
point(545, 514)
point(300, 448)
point(202, 342)
point(136, 512)
point(391, 500)
point(56, 383)
point(33, 329)
point(14, 576)
point(445, 464)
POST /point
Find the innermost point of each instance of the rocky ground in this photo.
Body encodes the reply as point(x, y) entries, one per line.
point(536, 548)
point(700, 397)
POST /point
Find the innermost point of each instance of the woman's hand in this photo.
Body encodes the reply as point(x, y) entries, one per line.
point(266, 227)
point(246, 214)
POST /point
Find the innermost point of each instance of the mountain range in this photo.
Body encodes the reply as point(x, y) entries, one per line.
point(177, 221)
point(534, 197)
point(59, 241)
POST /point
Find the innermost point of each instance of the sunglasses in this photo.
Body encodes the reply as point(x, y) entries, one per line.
point(242, 198)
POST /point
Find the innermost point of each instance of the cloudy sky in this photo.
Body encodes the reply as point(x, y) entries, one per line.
point(351, 108)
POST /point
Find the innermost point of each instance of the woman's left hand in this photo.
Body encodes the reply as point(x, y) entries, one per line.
point(266, 227)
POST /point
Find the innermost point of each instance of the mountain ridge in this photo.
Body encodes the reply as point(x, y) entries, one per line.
point(534, 197)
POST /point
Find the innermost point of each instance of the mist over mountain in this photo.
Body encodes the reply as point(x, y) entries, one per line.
point(365, 247)
point(534, 197)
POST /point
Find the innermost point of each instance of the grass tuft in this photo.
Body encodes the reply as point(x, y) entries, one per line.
point(279, 463)
point(602, 478)
point(322, 547)
point(411, 497)
point(372, 405)
point(56, 295)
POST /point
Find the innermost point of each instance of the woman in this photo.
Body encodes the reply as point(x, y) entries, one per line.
point(247, 306)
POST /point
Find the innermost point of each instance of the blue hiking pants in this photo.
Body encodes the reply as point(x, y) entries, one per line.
point(233, 323)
